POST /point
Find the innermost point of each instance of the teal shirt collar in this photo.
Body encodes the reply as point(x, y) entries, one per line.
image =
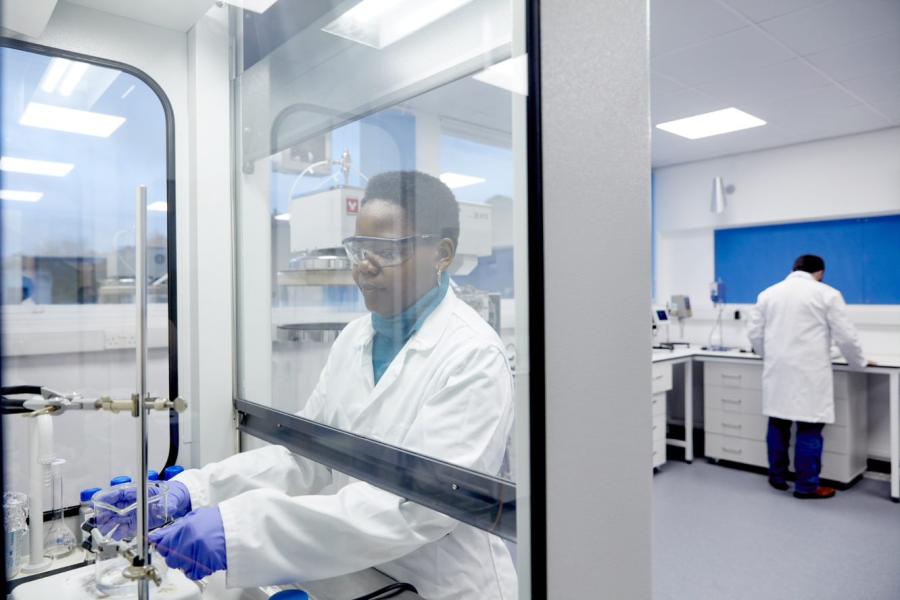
point(391, 333)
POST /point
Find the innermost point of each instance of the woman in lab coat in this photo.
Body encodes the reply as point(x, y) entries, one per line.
point(423, 372)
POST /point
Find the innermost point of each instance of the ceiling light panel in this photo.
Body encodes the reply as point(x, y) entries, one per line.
point(14, 164)
point(54, 74)
point(20, 195)
point(73, 77)
point(711, 123)
point(380, 23)
point(257, 6)
point(510, 75)
point(457, 180)
point(46, 116)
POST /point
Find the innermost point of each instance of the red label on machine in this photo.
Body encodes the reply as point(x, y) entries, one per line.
point(352, 206)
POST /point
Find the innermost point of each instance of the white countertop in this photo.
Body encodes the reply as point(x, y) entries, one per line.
point(680, 353)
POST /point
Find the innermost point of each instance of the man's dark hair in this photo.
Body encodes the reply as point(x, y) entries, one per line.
point(809, 263)
point(428, 203)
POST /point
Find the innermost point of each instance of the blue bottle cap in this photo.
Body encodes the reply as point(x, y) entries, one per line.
point(152, 475)
point(170, 472)
point(290, 595)
point(87, 494)
point(120, 479)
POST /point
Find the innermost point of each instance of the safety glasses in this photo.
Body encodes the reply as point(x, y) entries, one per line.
point(385, 252)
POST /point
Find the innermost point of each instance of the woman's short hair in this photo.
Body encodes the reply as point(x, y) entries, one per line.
point(428, 203)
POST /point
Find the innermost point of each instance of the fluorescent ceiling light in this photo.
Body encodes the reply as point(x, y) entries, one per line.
point(35, 167)
point(455, 180)
point(70, 120)
point(159, 206)
point(54, 74)
point(510, 75)
point(380, 23)
point(73, 78)
point(283, 217)
point(20, 195)
point(257, 6)
point(711, 123)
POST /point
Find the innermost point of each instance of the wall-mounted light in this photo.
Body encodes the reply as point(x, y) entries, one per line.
point(719, 202)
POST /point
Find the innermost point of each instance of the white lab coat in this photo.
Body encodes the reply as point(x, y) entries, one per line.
point(447, 394)
point(793, 326)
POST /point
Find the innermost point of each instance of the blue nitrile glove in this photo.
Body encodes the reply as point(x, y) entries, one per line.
point(178, 504)
point(194, 544)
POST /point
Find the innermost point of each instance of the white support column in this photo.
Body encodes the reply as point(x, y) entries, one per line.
point(596, 186)
point(208, 272)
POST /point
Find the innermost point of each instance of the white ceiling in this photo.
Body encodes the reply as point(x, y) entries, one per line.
point(811, 68)
point(179, 15)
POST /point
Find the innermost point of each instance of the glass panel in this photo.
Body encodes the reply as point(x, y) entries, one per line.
point(381, 260)
point(78, 139)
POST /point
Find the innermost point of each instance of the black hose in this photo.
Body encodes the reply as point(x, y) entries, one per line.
point(389, 591)
point(12, 390)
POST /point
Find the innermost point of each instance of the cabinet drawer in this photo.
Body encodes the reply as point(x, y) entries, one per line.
point(737, 424)
point(661, 378)
point(733, 375)
point(659, 452)
point(658, 402)
point(733, 399)
point(658, 430)
point(749, 452)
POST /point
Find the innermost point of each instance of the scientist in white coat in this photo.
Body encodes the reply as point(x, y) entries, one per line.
point(793, 326)
point(423, 372)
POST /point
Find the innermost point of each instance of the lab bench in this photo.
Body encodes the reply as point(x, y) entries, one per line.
point(735, 428)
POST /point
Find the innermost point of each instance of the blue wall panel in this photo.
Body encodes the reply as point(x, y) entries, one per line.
point(861, 257)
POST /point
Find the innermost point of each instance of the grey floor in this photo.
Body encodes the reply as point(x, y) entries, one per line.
point(724, 534)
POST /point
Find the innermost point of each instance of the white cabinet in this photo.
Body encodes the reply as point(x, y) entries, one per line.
point(662, 383)
point(735, 428)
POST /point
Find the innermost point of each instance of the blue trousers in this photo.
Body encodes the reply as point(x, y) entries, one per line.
point(807, 453)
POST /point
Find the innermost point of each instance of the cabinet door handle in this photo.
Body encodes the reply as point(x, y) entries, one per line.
point(655, 427)
point(727, 376)
point(730, 401)
point(658, 377)
point(732, 425)
point(732, 450)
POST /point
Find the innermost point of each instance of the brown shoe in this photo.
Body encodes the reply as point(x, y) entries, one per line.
point(820, 493)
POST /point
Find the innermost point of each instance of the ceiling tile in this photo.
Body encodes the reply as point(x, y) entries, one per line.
point(685, 103)
point(771, 82)
point(763, 10)
point(880, 53)
point(877, 87)
point(726, 56)
point(825, 26)
point(675, 24)
point(890, 108)
point(660, 84)
point(812, 101)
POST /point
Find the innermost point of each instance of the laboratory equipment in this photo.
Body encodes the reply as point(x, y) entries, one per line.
point(717, 297)
point(59, 539)
point(114, 553)
point(680, 307)
point(15, 515)
point(171, 471)
point(86, 511)
point(680, 310)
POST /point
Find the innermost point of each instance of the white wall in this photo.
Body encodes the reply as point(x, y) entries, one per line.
point(829, 179)
point(837, 178)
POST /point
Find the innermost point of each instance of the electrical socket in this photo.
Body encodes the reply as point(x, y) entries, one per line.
point(118, 341)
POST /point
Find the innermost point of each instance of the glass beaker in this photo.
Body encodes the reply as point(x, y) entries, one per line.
point(119, 506)
point(59, 539)
point(15, 514)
